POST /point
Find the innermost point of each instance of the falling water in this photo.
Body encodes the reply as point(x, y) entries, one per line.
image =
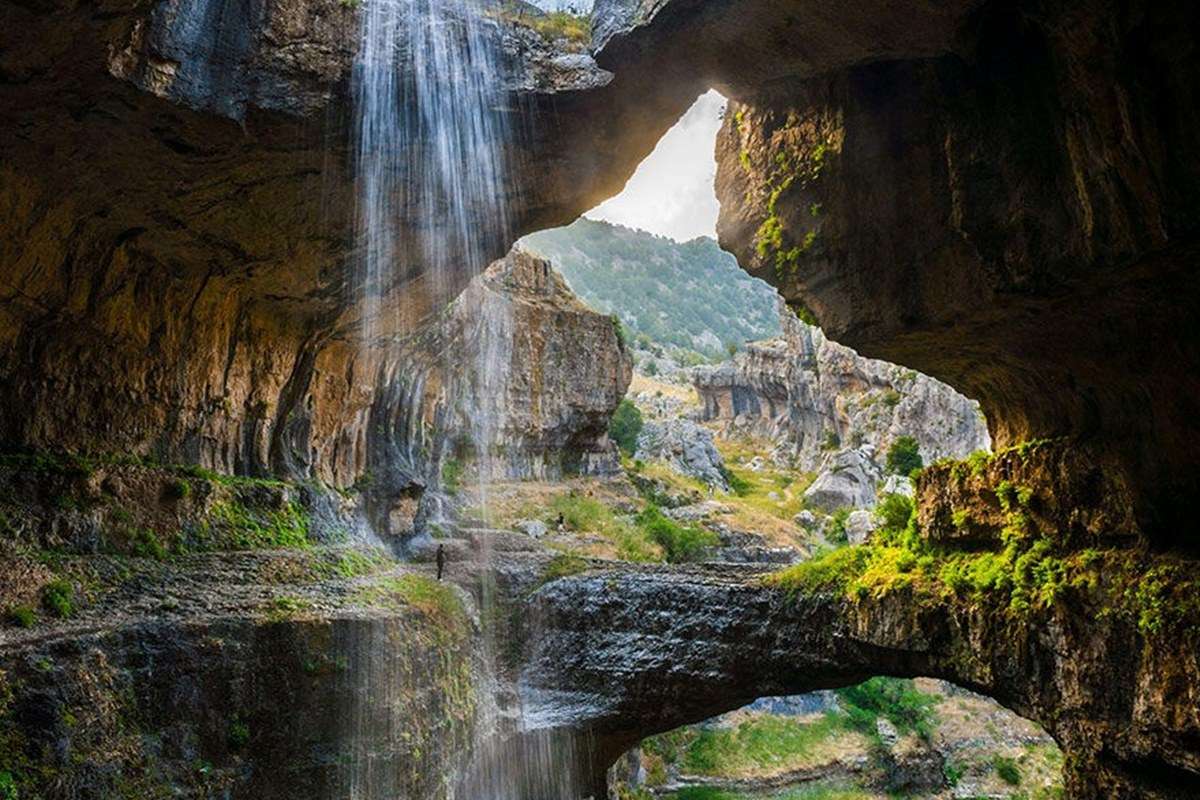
point(430, 149)
point(430, 144)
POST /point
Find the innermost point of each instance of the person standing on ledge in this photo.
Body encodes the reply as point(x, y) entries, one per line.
point(441, 560)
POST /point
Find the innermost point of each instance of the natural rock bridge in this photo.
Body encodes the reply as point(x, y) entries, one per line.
point(620, 654)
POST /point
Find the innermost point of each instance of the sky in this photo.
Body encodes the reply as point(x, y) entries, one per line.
point(671, 193)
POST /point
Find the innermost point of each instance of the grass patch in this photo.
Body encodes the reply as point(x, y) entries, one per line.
point(286, 607)
point(435, 600)
point(760, 745)
point(564, 565)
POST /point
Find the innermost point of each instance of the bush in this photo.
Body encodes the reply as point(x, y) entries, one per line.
point(22, 617)
point(625, 425)
point(8, 786)
point(58, 597)
point(179, 489)
point(679, 542)
point(893, 512)
point(904, 456)
point(1007, 769)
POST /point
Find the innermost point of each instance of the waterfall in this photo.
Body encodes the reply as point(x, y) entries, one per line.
point(430, 140)
point(430, 150)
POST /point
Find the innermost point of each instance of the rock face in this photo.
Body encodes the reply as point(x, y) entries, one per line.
point(812, 395)
point(686, 447)
point(1001, 217)
point(708, 641)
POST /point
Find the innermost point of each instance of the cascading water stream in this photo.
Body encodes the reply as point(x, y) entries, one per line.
point(431, 139)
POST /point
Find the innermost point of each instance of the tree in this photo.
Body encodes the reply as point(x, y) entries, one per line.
point(625, 425)
point(904, 456)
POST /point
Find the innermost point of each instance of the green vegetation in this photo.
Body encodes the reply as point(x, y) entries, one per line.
point(564, 565)
point(233, 524)
point(894, 511)
point(904, 456)
point(1027, 573)
point(239, 735)
point(179, 489)
point(625, 426)
point(452, 474)
point(58, 597)
point(679, 542)
point(758, 744)
point(8, 786)
point(648, 536)
point(285, 607)
point(836, 532)
point(435, 600)
point(688, 298)
point(22, 616)
point(1007, 769)
point(897, 700)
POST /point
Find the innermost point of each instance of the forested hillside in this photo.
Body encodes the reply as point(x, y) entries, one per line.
point(688, 297)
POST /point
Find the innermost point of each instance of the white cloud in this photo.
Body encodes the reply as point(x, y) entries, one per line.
point(671, 193)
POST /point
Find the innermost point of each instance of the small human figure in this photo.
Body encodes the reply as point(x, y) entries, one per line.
point(562, 522)
point(441, 560)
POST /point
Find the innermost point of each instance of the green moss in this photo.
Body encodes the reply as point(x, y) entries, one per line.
point(233, 524)
point(286, 607)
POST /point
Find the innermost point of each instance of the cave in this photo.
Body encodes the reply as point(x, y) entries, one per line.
point(201, 357)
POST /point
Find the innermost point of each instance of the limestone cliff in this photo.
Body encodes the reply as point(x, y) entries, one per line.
point(813, 396)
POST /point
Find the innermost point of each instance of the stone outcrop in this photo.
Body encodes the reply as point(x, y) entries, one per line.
point(811, 395)
point(684, 446)
point(1003, 216)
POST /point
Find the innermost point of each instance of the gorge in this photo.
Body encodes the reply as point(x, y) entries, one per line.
point(256, 371)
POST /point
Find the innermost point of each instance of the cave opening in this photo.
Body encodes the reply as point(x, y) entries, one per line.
point(885, 737)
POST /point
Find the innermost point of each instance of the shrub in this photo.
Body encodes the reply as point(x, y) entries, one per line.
point(179, 489)
point(1007, 769)
point(8, 786)
point(58, 597)
point(22, 617)
point(737, 484)
point(679, 542)
point(894, 512)
point(832, 441)
point(904, 456)
point(625, 425)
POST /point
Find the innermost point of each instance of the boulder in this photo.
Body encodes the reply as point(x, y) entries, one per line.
point(533, 528)
point(847, 480)
point(686, 447)
point(860, 525)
